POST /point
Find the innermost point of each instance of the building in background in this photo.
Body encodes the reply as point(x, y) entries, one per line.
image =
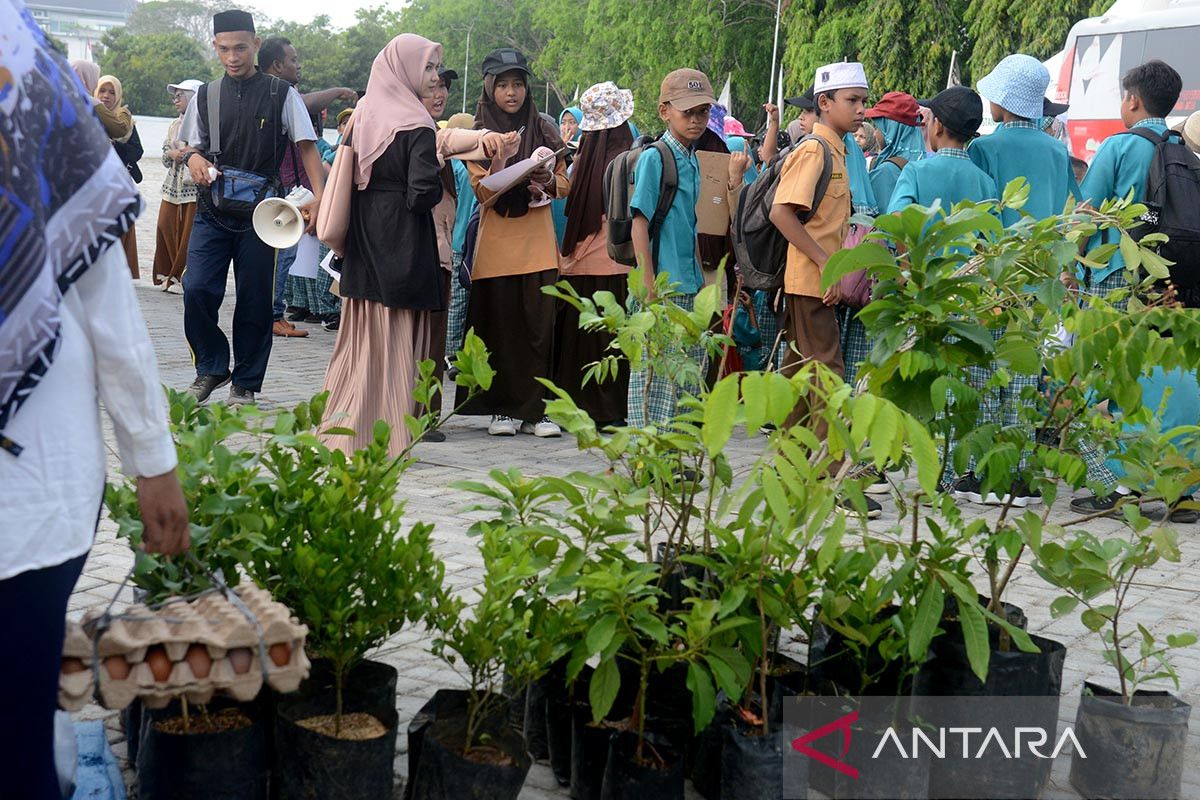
point(79, 24)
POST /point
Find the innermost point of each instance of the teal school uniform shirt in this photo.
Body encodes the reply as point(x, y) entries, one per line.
point(675, 247)
point(466, 205)
point(1120, 164)
point(948, 176)
point(1021, 150)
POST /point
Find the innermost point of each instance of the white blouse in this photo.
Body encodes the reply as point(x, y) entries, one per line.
point(50, 495)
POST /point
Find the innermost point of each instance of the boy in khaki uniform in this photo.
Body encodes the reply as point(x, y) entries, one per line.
point(840, 92)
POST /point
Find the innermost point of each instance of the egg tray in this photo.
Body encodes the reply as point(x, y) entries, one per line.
point(189, 634)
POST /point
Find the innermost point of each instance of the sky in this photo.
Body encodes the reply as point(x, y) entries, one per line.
point(341, 13)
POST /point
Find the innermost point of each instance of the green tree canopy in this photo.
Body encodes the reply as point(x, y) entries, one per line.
point(146, 64)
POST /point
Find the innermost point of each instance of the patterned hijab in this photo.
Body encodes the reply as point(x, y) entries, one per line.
point(69, 199)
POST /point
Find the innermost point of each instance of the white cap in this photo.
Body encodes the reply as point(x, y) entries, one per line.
point(842, 75)
point(190, 85)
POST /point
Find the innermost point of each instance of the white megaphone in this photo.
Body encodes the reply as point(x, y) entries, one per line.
point(278, 220)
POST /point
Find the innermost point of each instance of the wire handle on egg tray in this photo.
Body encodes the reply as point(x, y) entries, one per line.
point(95, 628)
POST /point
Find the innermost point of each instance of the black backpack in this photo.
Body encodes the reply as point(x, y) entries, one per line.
point(618, 189)
point(760, 248)
point(1172, 200)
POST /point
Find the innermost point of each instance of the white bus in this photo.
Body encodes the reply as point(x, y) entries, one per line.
point(1101, 50)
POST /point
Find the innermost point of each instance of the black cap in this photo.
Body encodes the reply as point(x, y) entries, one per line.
point(804, 101)
point(504, 60)
point(958, 108)
point(448, 76)
point(232, 21)
point(1052, 109)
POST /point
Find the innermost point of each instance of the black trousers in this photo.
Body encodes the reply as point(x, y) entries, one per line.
point(32, 629)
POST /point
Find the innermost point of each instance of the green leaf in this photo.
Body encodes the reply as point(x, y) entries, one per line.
point(1063, 606)
point(704, 697)
point(975, 637)
point(1130, 252)
point(720, 414)
point(924, 625)
point(727, 679)
point(603, 687)
point(601, 633)
point(1093, 620)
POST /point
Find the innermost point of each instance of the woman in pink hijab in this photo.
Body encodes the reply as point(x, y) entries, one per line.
point(391, 276)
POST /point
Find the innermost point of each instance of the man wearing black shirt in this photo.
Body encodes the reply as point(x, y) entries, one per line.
point(259, 116)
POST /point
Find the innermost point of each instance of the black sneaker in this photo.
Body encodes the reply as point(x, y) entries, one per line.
point(434, 436)
point(874, 510)
point(295, 314)
point(1023, 496)
point(204, 385)
point(878, 483)
point(1093, 504)
point(1185, 516)
point(311, 317)
point(332, 322)
point(239, 396)
point(767, 429)
point(967, 488)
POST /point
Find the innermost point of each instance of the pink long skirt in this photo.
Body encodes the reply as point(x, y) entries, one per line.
point(372, 372)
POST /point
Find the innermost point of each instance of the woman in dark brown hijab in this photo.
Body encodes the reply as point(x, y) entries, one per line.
point(516, 256)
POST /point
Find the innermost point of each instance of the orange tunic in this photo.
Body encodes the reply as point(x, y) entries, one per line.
point(830, 223)
point(515, 245)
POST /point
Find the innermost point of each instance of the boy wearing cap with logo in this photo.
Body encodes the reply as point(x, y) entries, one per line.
point(1122, 163)
point(684, 103)
point(810, 316)
point(1016, 89)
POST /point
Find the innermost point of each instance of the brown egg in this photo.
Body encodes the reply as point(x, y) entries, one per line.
point(239, 659)
point(160, 665)
point(72, 665)
point(199, 660)
point(117, 667)
point(280, 654)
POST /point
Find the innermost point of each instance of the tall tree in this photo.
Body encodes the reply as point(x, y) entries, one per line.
point(193, 18)
point(1035, 27)
point(914, 56)
point(146, 64)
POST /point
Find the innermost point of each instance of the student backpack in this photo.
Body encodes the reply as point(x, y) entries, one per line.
point(1172, 200)
point(618, 189)
point(760, 248)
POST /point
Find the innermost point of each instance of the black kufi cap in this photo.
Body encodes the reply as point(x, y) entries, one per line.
point(232, 21)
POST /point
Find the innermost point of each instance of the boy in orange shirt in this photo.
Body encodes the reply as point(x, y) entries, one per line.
point(840, 91)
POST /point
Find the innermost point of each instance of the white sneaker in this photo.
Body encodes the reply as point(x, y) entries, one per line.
point(543, 428)
point(502, 426)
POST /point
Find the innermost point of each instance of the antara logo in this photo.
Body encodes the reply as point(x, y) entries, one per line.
point(1037, 739)
point(800, 745)
point(1031, 738)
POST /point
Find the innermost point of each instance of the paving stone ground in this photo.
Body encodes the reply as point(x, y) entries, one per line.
point(1167, 598)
